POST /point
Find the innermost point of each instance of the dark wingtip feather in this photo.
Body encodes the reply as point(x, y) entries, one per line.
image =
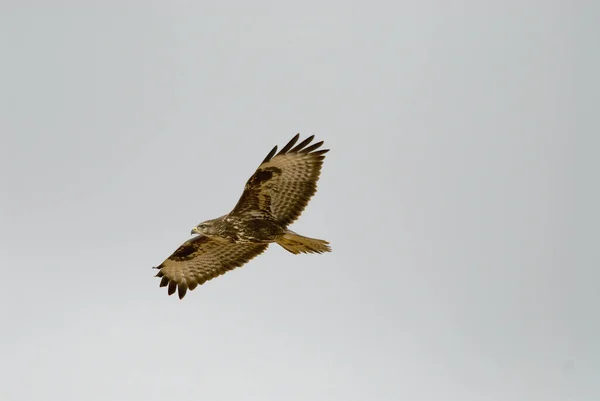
point(159, 274)
point(312, 147)
point(270, 155)
point(172, 287)
point(182, 290)
point(302, 144)
point(289, 145)
point(320, 152)
point(164, 282)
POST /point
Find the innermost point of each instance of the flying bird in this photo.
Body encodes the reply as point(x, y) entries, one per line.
point(273, 198)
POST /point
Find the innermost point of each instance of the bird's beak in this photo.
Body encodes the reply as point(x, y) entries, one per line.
point(194, 231)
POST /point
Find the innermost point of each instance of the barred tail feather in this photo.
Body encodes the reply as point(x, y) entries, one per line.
point(296, 243)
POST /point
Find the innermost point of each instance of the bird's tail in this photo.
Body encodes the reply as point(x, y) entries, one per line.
point(296, 243)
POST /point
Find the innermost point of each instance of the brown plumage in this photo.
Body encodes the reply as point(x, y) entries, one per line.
point(273, 198)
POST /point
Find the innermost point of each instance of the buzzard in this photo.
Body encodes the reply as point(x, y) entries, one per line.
point(273, 198)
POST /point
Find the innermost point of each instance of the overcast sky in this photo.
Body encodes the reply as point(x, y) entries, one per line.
point(460, 198)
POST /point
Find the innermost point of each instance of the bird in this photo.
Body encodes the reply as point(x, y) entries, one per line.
point(273, 198)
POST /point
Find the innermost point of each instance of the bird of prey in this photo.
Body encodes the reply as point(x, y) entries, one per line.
point(273, 198)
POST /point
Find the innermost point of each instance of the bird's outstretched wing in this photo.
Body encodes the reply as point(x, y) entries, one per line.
point(284, 182)
point(202, 258)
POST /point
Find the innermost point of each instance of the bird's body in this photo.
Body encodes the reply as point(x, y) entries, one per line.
point(273, 198)
point(249, 227)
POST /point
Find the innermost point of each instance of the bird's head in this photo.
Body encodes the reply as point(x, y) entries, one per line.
point(205, 228)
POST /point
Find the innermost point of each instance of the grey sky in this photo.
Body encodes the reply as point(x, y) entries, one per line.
point(459, 197)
